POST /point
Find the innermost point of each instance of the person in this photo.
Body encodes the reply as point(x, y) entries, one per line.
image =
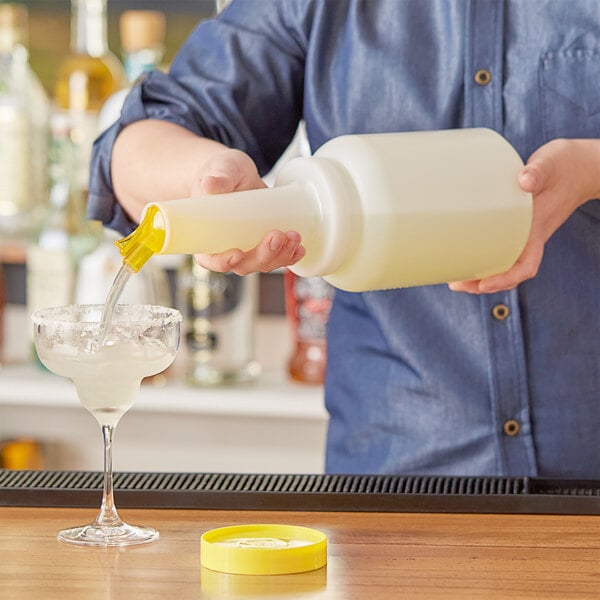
point(493, 377)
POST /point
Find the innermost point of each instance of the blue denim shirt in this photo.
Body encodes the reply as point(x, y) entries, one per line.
point(420, 380)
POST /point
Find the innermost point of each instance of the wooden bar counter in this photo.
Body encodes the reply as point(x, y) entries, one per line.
point(370, 556)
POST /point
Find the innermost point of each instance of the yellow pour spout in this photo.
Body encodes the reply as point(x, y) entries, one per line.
point(142, 243)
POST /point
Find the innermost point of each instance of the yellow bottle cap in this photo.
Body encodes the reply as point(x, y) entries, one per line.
point(263, 549)
point(145, 241)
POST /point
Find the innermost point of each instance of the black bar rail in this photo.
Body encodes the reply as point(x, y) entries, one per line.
point(244, 491)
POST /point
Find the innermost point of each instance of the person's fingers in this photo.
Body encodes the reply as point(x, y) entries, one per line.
point(222, 262)
point(470, 287)
point(528, 180)
point(276, 249)
point(525, 268)
point(276, 246)
point(533, 178)
point(216, 184)
point(537, 174)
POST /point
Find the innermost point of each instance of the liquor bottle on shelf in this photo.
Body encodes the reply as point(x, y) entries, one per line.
point(142, 36)
point(87, 77)
point(219, 311)
point(23, 129)
point(307, 303)
point(65, 235)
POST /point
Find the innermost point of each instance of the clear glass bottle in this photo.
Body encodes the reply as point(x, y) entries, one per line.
point(23, 129)
point(219, 311)
point(88, 76)
point(65, 235)
point(142, 36)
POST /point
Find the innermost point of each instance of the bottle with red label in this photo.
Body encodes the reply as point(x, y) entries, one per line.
point(308, 302)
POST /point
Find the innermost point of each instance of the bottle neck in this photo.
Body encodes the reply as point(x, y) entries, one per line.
point(13, 28)
point(88, 27)
point(13, 62)
point(13, 47)
point(141, 61)
point(10, 42)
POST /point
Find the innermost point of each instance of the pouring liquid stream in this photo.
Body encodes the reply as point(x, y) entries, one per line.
point(116, 289)
point(137, 248)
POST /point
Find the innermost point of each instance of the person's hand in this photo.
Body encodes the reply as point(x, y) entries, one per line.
point(233, 171)
point(561, 175)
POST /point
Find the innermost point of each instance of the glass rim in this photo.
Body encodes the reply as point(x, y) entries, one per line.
point(51, 314)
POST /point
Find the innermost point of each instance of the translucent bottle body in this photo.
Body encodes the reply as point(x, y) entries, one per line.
point(375, 211)
point(23, 129)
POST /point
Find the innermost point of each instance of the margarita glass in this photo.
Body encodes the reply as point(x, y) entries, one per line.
point(107, 365)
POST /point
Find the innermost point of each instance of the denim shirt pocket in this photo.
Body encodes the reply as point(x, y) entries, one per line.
point(570, 93)
point(570, 98)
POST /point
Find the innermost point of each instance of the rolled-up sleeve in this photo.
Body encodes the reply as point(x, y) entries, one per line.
point(237, 79)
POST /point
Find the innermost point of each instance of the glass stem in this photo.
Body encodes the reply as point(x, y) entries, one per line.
point(108, 516)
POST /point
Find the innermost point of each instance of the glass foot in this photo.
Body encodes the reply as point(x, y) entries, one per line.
point(96, 535)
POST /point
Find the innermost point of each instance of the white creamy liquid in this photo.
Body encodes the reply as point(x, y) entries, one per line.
point(108, 377)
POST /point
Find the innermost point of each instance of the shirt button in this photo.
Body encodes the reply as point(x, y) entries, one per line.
point(483, 77)
point(500, 312)
point(511, 427)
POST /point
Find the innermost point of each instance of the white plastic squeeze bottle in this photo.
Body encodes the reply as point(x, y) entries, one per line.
point(374, 211)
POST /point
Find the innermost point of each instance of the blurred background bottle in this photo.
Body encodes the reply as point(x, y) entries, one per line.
point(23, 129)
point(142, 34)
point(87, 77)
point(65, 235)
point(308, 302)
point(219, 312)
point(21, 454)
point(142, 38)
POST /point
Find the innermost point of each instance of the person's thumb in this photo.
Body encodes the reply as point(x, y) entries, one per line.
point(213, 184)
point(227, 171)
point(529, 179)
point(535, 175)
point(219, 178)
